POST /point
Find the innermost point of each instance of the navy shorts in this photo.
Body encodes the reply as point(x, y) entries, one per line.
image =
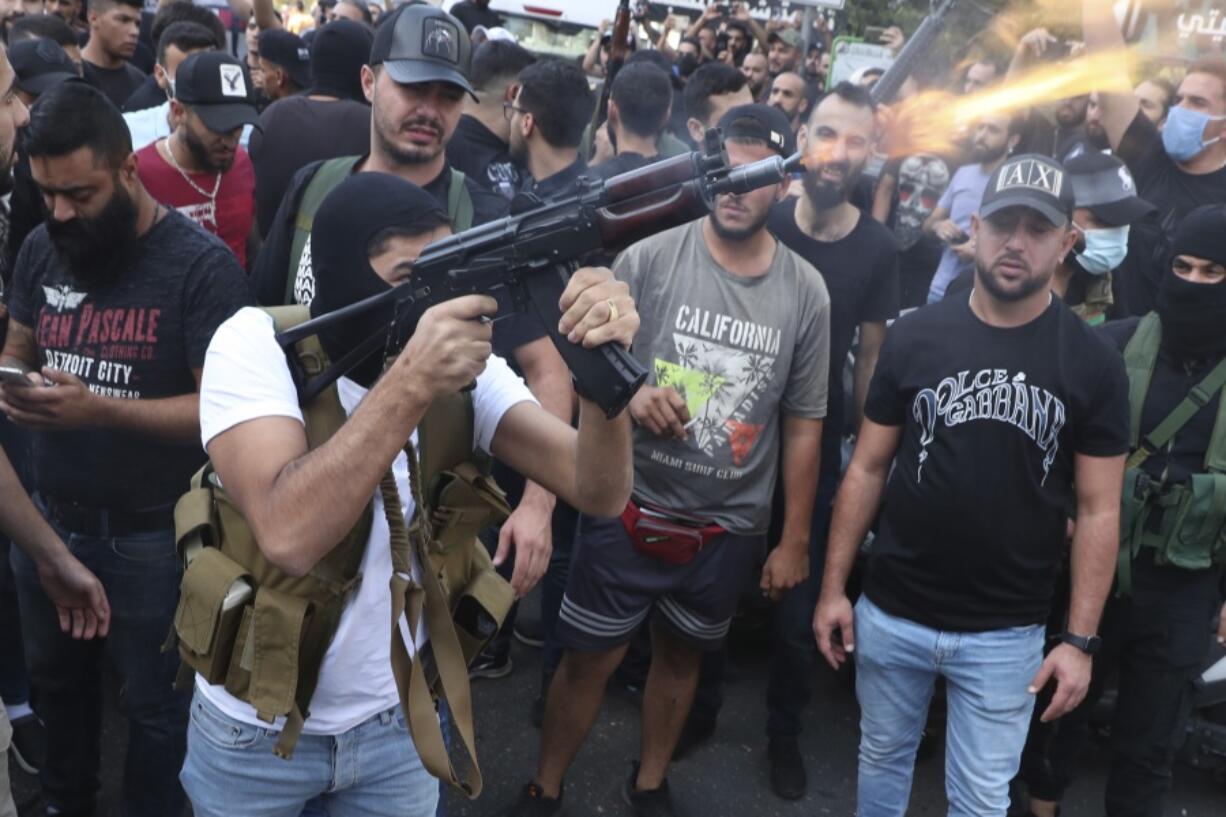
point(612, 588)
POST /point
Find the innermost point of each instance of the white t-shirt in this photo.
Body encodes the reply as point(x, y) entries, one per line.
point(246, 377)
point(151, 124)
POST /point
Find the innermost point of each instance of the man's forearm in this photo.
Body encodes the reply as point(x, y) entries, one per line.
point(866, 362)
point(347, 469)
point(1095, 549)
point(21, 522)
point(604, 459)
point(854, 509)
point(549, 381)
point(802, 446)
point(173, 419)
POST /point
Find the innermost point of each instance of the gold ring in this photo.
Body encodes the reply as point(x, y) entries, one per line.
point(613, 313)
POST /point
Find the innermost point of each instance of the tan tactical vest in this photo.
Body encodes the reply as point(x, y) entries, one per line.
point(243, 623)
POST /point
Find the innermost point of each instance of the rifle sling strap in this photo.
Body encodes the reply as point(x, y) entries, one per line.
point(412, 599)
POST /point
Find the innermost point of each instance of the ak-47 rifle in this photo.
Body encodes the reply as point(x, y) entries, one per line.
point(887, 86)
point(619, 44)
point(526, 260)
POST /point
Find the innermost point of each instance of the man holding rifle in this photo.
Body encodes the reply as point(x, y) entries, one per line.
point(300, 503)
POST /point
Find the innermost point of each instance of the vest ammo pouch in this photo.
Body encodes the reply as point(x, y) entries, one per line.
point(263, 634)
point(1184, 523)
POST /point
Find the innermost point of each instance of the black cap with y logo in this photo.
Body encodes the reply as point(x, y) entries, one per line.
point(423, 44)
point(218, 88)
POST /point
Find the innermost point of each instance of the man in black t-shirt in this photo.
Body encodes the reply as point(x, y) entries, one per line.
point(858, 259)
point(1177, 169)
point(416, 99)
point(478, 148)
point(988, 406)
point(114, 300)
point(114, 28)
point(639, 106)
point(331, 119)
point(547, 120)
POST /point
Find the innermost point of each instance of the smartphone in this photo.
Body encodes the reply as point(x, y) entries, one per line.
point(960, 238)
point(12, 376)
point(873, 34)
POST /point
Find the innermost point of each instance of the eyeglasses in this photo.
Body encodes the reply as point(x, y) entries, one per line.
point(510, 108)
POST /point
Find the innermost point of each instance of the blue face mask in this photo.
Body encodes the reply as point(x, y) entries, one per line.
point(1105, 249)
point(1183, 135)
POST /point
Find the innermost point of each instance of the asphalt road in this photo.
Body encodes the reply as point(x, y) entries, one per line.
point(725, 778)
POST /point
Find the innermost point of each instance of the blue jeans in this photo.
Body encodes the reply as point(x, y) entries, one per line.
point(141, 575)
point(986, 676)
point(369, 771)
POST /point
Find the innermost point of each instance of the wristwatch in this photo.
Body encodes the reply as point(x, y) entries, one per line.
point(1088, 644)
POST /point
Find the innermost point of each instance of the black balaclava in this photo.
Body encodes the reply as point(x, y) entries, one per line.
point(1194, 315)
point(358, 210)
point(338, 52)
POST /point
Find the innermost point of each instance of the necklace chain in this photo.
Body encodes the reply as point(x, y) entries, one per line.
point(212, 197)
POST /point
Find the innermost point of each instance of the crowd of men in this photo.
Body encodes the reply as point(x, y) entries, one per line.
point(1022, 332)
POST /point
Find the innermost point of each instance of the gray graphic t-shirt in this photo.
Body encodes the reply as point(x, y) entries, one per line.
point(741, 351)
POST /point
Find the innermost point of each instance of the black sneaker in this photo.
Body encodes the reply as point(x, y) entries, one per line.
point(529, 631)
point(653, 803)
point(788, 779)
point(29, 743)
point(532, 802)
point(694, 734)
point(488, 665)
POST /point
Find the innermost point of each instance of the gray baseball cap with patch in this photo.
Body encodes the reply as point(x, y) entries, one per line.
point(1103, 185)
point(423, 44)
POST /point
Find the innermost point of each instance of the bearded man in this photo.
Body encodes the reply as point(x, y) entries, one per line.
point(114, 300)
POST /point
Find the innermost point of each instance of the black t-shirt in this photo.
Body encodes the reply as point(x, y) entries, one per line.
point(1175, 193)
point(148, 95)
point(861, 275)
point(295, 132)
point(1160, 181)
point(140, 340)
point(117, 83)
point(479, 154)
point(271, 270)
point(973, 526)
point(622, 163)
point(472, 15)
point(1041, 135)
point(560, 184)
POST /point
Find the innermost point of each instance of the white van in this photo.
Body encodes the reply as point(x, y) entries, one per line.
point(557, 28)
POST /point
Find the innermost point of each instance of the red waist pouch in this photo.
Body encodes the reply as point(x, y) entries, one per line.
point(666, 537)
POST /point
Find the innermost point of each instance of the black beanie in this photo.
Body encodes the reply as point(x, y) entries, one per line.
point(353, 214)
point(338, 52)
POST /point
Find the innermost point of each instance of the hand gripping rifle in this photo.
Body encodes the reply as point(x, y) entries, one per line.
point(916, 48)
point(527, 258)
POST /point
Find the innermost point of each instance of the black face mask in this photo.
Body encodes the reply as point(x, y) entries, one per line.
point(357, 212)
point(97, 251)
point(687, 64)
point(1193, 318)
